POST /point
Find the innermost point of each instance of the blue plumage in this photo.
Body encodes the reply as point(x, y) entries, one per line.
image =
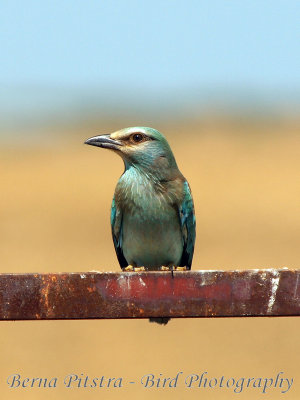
point(188, 225)
point(152, 213)
point(116, 226)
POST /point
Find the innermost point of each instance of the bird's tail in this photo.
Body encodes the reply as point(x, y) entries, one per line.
point(160, 320)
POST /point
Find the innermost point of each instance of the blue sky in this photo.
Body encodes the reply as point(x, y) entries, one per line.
point(148, 47)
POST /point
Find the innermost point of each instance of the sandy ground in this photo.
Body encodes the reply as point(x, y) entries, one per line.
point(54, 216)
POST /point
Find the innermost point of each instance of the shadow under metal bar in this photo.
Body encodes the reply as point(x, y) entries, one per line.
point(264, 292)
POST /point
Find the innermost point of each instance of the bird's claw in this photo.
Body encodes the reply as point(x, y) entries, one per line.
point(180, 268)
point(172, 268)
point(138, 269)
point(131, 268)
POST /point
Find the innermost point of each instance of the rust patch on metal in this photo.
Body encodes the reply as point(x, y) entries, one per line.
point(266, 292)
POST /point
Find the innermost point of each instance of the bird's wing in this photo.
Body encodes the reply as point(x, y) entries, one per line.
point(116, 228)
point(188, 226)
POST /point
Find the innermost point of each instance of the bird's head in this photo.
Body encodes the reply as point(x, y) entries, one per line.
point(141, 147)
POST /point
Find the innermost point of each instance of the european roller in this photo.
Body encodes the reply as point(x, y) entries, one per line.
point(152, 212)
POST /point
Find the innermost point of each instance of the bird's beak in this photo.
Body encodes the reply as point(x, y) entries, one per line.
point(104, 141)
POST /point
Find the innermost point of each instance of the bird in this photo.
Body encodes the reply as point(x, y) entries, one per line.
point(152, 214)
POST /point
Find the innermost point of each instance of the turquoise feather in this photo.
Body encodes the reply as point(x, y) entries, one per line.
point(152, 213)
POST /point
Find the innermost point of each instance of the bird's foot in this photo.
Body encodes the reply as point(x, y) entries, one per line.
point(180, 268)
point(164, 268)
point(139, 269)
point(129, 268)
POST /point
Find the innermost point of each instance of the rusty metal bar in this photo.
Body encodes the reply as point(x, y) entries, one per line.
point(265, 292)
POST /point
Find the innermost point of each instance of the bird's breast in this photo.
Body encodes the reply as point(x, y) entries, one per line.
point(152, 239)
point(151, 230)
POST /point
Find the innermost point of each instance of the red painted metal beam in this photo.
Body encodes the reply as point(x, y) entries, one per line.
point(266, 292)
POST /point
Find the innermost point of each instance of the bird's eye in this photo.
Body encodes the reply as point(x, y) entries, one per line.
point(137, 137)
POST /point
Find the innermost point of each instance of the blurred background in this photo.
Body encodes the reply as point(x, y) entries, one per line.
point(221, 80)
